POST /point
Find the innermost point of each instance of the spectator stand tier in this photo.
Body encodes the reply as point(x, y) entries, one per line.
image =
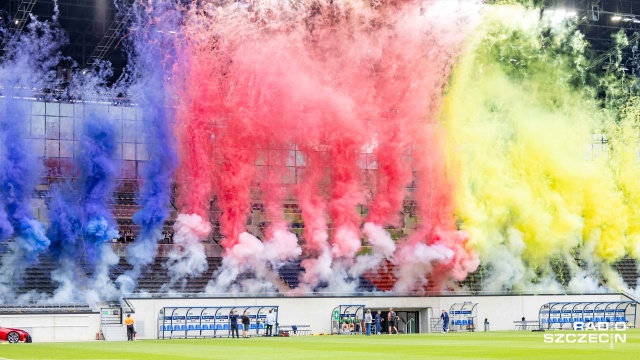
point(210, 321)
point(347, 319)
point(559, 315)
point(463, 316)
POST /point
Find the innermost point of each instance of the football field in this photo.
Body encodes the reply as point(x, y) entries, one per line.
point(492, 345)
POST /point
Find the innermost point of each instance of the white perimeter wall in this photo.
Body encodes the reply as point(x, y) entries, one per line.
point(55, 327)
point(501, 311)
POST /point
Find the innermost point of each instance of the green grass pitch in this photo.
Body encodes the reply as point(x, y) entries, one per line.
point(492, 345)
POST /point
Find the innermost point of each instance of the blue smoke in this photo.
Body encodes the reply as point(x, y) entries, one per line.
point(154, 53)
point(97, 171)
point(65, 227)
point(19, 171)
point(28, 64)
point(5, 226)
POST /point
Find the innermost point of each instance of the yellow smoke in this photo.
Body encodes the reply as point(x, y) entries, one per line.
point(529, 177)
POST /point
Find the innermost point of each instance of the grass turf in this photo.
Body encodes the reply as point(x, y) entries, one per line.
point(492, 345)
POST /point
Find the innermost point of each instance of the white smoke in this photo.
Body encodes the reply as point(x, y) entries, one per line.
point(139, 254)
point(381, 242)
point(101, 287)
point(15, 263)
point(346, 242)
point(415, 261)
point(67, 290)
point(316, 270)
point(188, 257)
point(263, 259)
point(507, 270)
point(382, 246)
point(342, 282)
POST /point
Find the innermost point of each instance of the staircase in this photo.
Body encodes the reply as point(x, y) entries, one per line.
point(111, 324)
point(114, 333)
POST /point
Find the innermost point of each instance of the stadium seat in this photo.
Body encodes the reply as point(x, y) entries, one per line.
point(191, 327)
point(554, 320)
point(260, 326)
point(176, 327)
point(226, 327)
point(167, 328)
point(581, 320)
point(240, 327)
point(458, 322)
point(197, 327)
point(470, 321)
point(544, 320)
point(183, 327)
point(205, 327)
point(608, 319)
point(465, 322)
point(252, 326)
point(218, 326)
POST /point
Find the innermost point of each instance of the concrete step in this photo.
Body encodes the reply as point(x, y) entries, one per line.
point(114, 333)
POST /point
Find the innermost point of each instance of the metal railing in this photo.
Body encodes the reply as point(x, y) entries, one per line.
point(409, 326)
point(127, 307)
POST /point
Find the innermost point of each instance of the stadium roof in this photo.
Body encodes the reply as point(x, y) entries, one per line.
point(86, 22)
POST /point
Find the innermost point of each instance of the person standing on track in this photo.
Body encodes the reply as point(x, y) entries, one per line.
point(233, 319)
point(378, 322)
point(271, 319)
point(130, 329)
point(245, 324)
point(392, 321)
point(445, 321)
point(368, 319)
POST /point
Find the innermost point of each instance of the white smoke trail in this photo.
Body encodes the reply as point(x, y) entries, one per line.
point(263, 259)
point(414, 261)
point(67, 290)
point(382, 247)
point(101, 287)
point(188, 257)
point(316, 270)
point(507, 270)
point(139, 254)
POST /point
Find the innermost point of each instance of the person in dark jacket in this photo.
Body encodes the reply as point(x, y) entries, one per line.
point(445, 321)
point(245, 324)
point(233, 319)
point(392, 321)
point(378, 322)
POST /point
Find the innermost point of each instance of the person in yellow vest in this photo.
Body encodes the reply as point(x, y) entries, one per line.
point(130, 330)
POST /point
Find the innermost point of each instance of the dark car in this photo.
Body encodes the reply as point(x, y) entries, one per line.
point(14, 335)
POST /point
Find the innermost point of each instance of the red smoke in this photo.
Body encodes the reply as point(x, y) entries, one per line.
point(194, 130)
point(331, 80)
